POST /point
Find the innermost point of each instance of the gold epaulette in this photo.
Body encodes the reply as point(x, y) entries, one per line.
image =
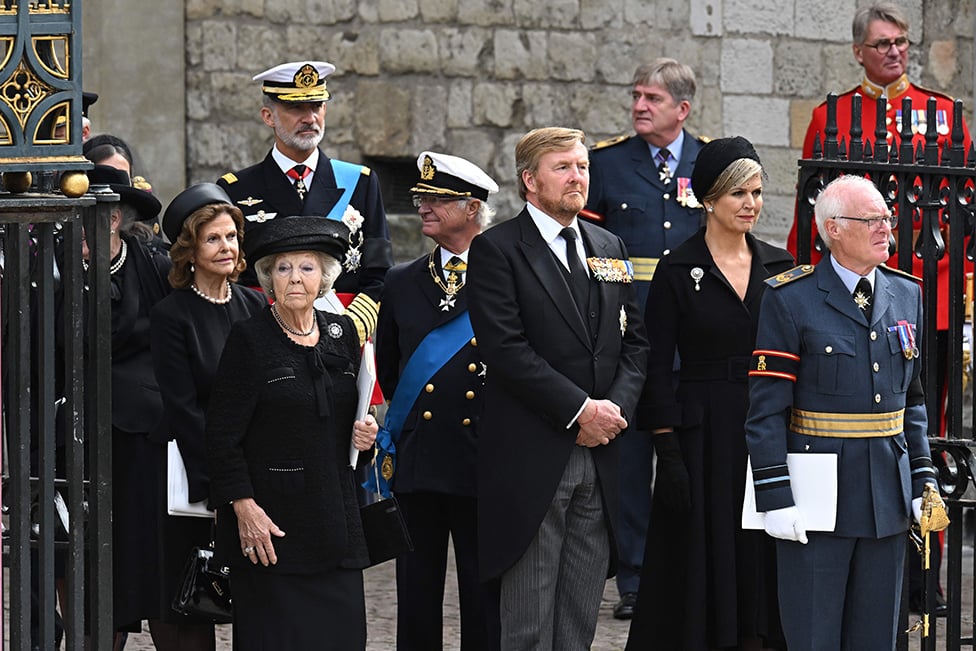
point(933, 93)
point(364, 170)
point(704, 139)
point(363, 311)
point(899, 272)
point(789, 276)
point(609, 142)
point(229, 177)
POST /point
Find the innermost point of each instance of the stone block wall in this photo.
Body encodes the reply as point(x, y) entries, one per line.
point(469, 77)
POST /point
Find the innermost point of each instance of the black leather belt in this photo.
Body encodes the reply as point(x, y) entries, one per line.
point(732, 369)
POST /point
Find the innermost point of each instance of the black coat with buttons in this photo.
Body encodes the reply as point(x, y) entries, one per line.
point(436, 451)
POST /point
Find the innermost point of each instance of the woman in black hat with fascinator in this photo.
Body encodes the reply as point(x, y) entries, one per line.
point(279, 427)
point(189, 328)
point(706, 583)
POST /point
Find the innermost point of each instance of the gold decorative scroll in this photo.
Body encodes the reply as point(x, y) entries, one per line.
point(22, 92)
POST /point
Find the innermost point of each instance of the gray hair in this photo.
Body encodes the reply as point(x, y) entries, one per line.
point(884, 11)
point(331, 268)
point(833, 201)
point(677, 78)
point(485, 213)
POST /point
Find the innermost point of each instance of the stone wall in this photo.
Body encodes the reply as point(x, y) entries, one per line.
point(469, 77)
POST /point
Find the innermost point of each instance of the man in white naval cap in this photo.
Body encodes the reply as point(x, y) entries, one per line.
point(297, 178)
point(433, 416)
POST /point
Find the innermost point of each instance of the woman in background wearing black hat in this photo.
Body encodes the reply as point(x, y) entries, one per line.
point(279, 428)
point(137, 273)
point(189, 328)
point(705, 583)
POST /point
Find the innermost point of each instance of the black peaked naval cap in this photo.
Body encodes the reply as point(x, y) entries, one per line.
point(714, 157)
point(287, 234)
point(145, 203)
point(188, 202)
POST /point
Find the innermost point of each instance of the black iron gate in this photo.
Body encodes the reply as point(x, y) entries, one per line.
point(931, 190)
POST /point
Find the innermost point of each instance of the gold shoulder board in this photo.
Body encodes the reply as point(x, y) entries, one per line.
point(364, 171)
point(898, 272)
point(789, 276)
point(609, 142)
point(229, 177)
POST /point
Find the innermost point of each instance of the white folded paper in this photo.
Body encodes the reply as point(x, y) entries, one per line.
point(364, 385)
point(178, 488)
point(813, 478)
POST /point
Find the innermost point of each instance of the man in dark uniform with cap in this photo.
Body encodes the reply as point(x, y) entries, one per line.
point(436, 439)
point(640, 190)
point(836, 371)
point(297, 178)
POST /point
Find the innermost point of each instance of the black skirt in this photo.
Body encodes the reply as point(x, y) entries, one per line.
point(325, 610)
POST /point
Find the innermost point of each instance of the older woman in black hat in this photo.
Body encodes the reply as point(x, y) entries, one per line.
point(706, 583)
point(137, 275)
point(189, 328)
point(279, 428)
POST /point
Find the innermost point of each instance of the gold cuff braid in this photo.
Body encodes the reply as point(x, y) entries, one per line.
point(363, 311)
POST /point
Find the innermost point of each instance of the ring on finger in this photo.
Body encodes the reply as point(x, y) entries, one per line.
point(248, 550)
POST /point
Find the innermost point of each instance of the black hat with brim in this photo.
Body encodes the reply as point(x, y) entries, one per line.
point(188, 202)
point(714, 157)
point(145, 203)
point(288, 234)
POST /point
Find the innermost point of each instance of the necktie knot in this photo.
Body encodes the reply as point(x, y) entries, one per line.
point(862, 296)
point(456, 264)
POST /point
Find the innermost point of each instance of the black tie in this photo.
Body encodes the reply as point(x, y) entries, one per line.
point(862, 297)
point(579, 281)
point(663, 171)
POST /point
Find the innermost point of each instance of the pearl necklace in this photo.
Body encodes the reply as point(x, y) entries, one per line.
point(215, 301)
point(288, 328)
point(123, 252)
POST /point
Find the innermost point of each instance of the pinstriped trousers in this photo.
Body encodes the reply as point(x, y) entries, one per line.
point(550, 598)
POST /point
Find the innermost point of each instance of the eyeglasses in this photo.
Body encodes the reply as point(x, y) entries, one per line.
point(421, 200)
point(884, 46)
point(873, 222)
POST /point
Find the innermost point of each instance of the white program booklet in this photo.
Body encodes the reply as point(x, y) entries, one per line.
point(365, 384)
point(178, 487)
point(813, 478)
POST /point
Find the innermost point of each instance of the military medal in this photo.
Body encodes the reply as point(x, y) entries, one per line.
point(941, 123)
point(862, 300)
point(697, 274)
point(906, 337)
point(453, 286)
point(664, 173)
point(623, 321)
point(685, 196)
point(353, 219)
point(611, 270)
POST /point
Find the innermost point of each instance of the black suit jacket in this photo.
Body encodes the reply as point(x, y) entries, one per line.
point(542, 365)
point(262, 192)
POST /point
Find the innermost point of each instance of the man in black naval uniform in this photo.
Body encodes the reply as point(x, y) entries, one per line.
point(297, 178)
point(436, 448)
point(836, 371)
point(640, 189)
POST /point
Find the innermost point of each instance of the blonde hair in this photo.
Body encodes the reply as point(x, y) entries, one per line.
point(538, 142)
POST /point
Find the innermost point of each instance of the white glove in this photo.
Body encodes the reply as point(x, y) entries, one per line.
point(786, 524)
point(917, 509)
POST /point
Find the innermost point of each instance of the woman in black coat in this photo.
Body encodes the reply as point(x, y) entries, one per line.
point(706, 583)
point(280, 423)
point(189, 328)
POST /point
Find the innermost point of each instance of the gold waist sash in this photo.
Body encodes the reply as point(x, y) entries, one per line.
point(847, 426)
point(644, 268)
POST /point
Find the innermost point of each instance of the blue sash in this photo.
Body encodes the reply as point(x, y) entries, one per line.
point(346, 177)
point(437, 348)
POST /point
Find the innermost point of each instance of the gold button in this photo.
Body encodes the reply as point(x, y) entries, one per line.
point(466, 422)
point(474, 341)
point(874, 335)
point(472, 367)
point(667, 226)
point(429, 388)
point(667, 196)
point(469, 395)
point(876, 367)
point(428, 415)
point(828, 349)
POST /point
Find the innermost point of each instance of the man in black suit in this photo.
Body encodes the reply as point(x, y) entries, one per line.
point(297, 178)
point(555, 315)
point(436, 444)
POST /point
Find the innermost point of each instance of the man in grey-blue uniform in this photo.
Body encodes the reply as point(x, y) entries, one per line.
point(640, 190)
point(836, 370)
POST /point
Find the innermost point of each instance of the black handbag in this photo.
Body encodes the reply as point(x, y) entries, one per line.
point(205, 589)
point(385, 529)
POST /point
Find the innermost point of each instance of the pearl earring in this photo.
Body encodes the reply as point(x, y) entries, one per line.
point(192, 268)
point(711, 209)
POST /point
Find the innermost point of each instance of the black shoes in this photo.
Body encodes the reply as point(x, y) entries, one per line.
point(625, 607)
